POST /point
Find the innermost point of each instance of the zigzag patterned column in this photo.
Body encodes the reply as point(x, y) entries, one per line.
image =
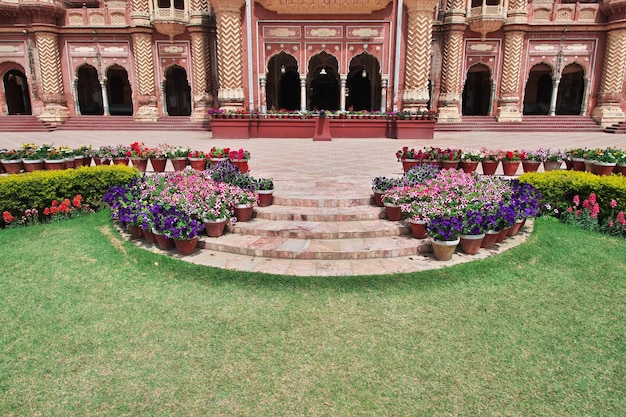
point(419, 36)
point(450, 93)
point(200, 57)
point(230, 53)
point(55, 107)
point(139, 13)
point(608, 110)
point(145, 85)
point(509, 104)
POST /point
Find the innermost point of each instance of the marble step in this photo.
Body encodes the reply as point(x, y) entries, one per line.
point(294, 229)
point(320, 214)
point(321, 201)
point(327, 249)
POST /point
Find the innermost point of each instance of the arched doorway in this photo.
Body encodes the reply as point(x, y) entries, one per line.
point(323, 82)
point(16, 93)
point(89, 91)
point(177, 92)
point(363, 83)
point(477, 91)
point(538, 92)
point(118, 92)
point(569, 98)
point(283, 83)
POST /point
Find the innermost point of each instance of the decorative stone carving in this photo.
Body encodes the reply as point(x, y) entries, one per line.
point(55, 107)
point(450, 95)
point(144, 70)
point(509, 103)
point(324, 6)
point(230, 53)
point(608, 110)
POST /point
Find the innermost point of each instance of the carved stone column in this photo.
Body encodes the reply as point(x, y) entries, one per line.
point(230, 53)
point(144, 68)
point(343, 79)
point(202, 99)
point(384, 85)
point(139, 13)
point(608, 110)
point(450, 92)
point(54, 105)
point(419, 38)
point(509, 104)
point(302, 93)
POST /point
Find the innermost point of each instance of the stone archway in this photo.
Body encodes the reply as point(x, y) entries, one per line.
point(569, 98)
point(364, 83)
point(477, 91)
point(283, 82)
point(119, 93)
point(323, 82)
point(16, 93)
point(89, 91)
point(538, 91)
point(177, 91)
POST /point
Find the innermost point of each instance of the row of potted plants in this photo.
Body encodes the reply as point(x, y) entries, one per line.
point(31, 157)
point(339, 114)
point(600, 161)
point(452, 207)
point(174, 208)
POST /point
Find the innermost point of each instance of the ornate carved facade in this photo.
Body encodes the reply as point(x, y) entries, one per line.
point(150, 58)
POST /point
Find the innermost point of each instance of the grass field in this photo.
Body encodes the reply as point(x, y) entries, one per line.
point(92, 325)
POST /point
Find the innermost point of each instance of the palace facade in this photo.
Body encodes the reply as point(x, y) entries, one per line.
point(150, 58)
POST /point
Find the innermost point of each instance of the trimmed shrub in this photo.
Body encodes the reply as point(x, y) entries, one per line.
point(558, 188)
point(39, 188)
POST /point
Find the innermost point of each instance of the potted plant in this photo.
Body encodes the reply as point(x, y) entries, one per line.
point(444, 234)
point(178, 156)
point(490, 159)
point(240, 159)
point(33, 156)
point(531, 160)
point(472, 231)
point(243, 203)
point(197, 160)
point(552, 159)
point(380, 185)
point(420, 173)
point(180, 227)
point(214, 209)
point(158, 157)
point(217, 155)
point(470, 158)
point(82, 156)
point(54, 159)
point(393, 199)
point(449, 158)
point(265, 190)
point(120, 154)
point(12, 160)
point(511, 161)
point(620, 166)
point(139, 156)
point(606, 161)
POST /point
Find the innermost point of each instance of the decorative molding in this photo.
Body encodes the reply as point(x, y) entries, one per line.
point(315, 7)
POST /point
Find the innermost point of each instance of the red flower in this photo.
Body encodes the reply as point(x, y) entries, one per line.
point(8, 218)
point(46, 211)
point(55, 203)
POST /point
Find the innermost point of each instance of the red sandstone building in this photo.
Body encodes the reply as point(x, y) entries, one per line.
point(150, 58)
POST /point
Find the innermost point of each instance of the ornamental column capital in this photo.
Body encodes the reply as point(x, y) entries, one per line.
point(414, 6)
point(228, 5)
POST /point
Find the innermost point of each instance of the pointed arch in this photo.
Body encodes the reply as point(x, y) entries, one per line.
point(177, 91)
point(17, 95)
point(569, 98)
point(89, 91)
point(364, 83)
point(323, 82)
point(119, 94)
point(283, 82)
point(477, 91)
point(538, 91)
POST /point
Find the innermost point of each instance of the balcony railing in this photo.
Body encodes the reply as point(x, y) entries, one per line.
point(487, 12)
point(169, 15)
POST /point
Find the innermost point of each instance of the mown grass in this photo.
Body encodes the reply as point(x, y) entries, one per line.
point(92, 325)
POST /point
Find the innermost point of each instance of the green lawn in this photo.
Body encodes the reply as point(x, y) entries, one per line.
point(92, 325)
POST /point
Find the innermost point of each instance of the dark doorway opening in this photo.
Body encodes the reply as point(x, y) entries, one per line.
point(538, 92)
point(323, 82)
point(477, 91)
point(283, 83)
point(89, 92)
point(363, 83)
point(16, 93)
point(569, 98)
point(177, 92)
point(118, 92)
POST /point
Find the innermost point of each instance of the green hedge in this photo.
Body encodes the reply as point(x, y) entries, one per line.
point(558, 188)
point(38, 189)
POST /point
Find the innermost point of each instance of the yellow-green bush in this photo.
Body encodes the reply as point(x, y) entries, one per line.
point(39, 188)
point(559, 187)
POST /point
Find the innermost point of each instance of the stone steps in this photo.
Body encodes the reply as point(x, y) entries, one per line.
point(23, 123)
point(282, 212)
point(528, 124)
point(98, 123)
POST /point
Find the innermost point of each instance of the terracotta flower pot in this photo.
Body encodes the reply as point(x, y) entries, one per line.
point(530, 166)
point(378, 198)
point(163, 241)
point(604, 168)
point(394, 213)
point(418, 229)
point(120, 161)
point(578, 164)
point(242, 165)
point(444, 249)
point(158, 164)
point(186, 246)
point(140, 163)
point(31, 165)
point(214, 228)
point(490, 167)
point(490, 239)
point(551, 165)
point(516, 227)
point(265, 197)
point(510, 168)
point(409, 163)
point(53, 164)
point(199, 164)
point(620, 169)
point(13, 166)
point(502, 235)
point(243, 213)
point(449, 164)
point(469, 166)
point(470, 244)
point(179, 163)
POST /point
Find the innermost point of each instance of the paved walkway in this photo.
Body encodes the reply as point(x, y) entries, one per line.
point(340, 168)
